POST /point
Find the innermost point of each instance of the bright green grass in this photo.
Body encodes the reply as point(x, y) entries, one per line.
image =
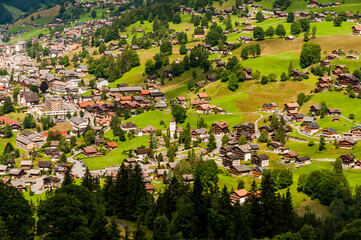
point(342, 126)
point(86, 17)
point(134, 76)
point(330, 153)
point(276, 63)
point(43, 20)
point(18, 28)
point(116, 156)
point(30, 34)
point(35, 198)
point(351, 64)
point(231, 119)
point(341, 101)
point(151, 118)
point(228, 102)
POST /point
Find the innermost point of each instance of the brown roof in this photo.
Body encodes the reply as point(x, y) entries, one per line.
point(221, 124)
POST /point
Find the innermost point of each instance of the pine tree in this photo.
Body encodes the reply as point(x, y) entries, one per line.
point(337, 166)
point(288, 214)
point(98, 229)
point(88, 181)
point(161, 228)
point(68, 178)
point(113, 232)
point(268, 219)
point(140, 232)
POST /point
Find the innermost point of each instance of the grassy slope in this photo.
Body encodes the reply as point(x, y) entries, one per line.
point(342, 126)
point(46, 16)
point(116, 156)
point(340, 101)
point(15, 12)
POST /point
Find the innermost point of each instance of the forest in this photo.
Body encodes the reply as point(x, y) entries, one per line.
point(182, 211)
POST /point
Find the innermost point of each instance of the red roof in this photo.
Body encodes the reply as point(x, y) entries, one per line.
point(62, 133)
point(112, 144)
point(144, 92)
point(84, 104)
point(5, 120)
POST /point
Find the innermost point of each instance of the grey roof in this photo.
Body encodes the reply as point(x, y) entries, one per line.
point(23, 140)
point(77, 120)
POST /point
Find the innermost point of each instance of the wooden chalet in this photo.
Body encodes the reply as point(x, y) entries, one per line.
point(269, 107)
point(239, 196)
point(311, 128)
point(356, 30)
point(356, 131)
point(240, 170)
point(346, 142)
point(334, 111)
point(348, 159)
point(329, 132)
point(347, 79)
point(246, 127)
point(290, 156)
point(220, 128)
point(260, 160)
point(315, 108)
point(291, 106)
point(91, 152)
point(303, 160)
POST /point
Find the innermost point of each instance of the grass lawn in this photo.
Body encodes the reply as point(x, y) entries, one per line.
point(275, 63)
point(116, 156)
point(232, 119)
point(151, 118)
point(35, 198)
point(330, 153)
point(341, 101)
point(342, 126)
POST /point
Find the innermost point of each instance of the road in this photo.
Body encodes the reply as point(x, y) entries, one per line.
point(77, 168)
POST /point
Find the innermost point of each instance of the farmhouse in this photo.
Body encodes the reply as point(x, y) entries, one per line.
point(269, 107)
point(347, 78)
point(347, 143)
point(303, 160)
point(220, 127)
point(291, 106)
point(311, 128)
point(240, 170)
point(290, 156)
point(356, 131)
point(261, 160)
point(239, 196)
point(356, 30)
point(348, 159)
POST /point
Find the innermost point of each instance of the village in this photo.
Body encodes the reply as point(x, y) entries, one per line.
point(246, 88)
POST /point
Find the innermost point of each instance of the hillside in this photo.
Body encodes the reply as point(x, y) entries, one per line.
point(41, 17)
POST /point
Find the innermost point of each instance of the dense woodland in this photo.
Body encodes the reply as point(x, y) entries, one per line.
point(182, 211)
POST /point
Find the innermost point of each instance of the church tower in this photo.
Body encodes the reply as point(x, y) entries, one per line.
point(172, 127)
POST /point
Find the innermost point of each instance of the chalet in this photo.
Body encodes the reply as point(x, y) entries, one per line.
point(202, 96)
point(130, 161)
point(311, 128)
point(188, 178)
point(307, 119)
point(296, 73)
point(356, 131)
point(261, 160)
point(220, 127)
point(346, 142)
point(141, 153)
point(247, 127)
point(303, 160)
point(28, 99)
point(162, 173)
point(13, 124)
point(16, 172)
point(128, 126)
point(356, 30)
point(91, 152)
point(278, 147)
point(149, 130)
point(290, 156)
point(315, 108)
point(99, 141)
point(3, 169)
point(292, 112)
point(329, 132)
point(325, 63)
point(269, 128)
point(298, 117)
point(335, 118)
point(220, 64)
point(249, 28)
point(269, 107)
point(291, 106)
point(54, 144)
point(290, 38)
point(44, 165)
point(231, 159)
point(51, 182)
point(334, 112)
point(347, 78)
point(240, 170)
point(348, 159)
point(201, 133)
point(239, 196)
point(111, 145)
point(150, 188)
